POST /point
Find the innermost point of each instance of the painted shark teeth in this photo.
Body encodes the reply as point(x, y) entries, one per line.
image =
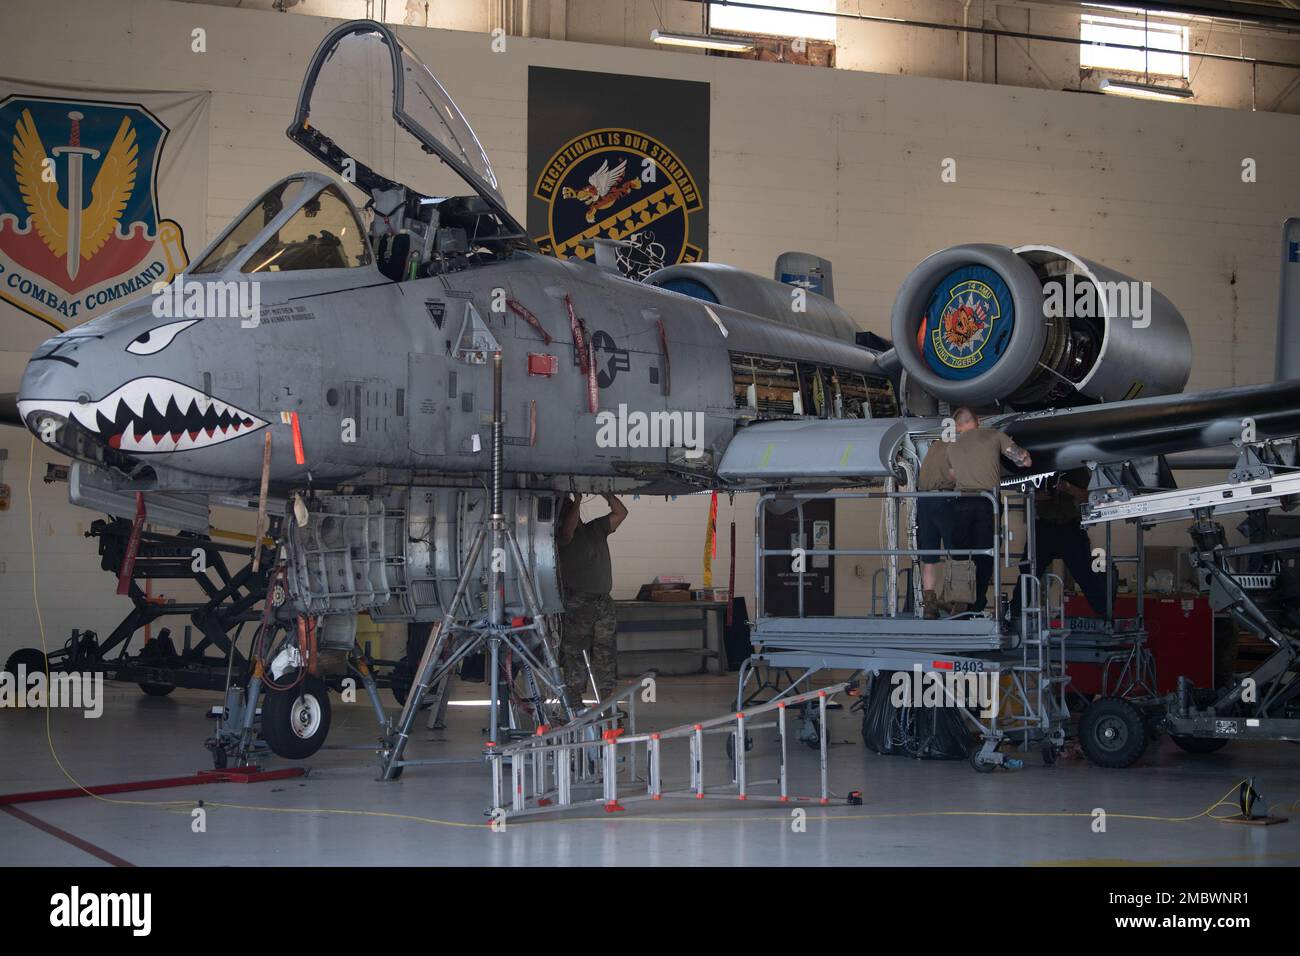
point(153, 415)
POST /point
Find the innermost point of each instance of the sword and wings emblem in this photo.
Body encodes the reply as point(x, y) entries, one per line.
point(75, 232)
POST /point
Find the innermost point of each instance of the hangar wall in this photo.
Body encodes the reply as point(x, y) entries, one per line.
point(880, 47)
point(844, 163)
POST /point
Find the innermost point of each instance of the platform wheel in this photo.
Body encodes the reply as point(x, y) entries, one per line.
point(1199, 745)
point(1113, 733)
point(28, 657)
point(1050, 752)
point(296, 722)
point(979, 761)
point(813, 738)
point(156, 690)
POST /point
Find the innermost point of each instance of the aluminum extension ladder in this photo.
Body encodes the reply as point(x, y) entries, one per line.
point(545, 770)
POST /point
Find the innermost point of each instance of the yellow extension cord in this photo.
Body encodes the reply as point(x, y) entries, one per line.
point(49, 736)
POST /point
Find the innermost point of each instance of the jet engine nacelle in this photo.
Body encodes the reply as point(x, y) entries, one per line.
point(1034, 327)
point(757, 295)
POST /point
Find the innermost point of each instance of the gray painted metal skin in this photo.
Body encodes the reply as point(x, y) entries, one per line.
point(760, 296)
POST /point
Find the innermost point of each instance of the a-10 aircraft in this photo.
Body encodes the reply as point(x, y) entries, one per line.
point(369, 361)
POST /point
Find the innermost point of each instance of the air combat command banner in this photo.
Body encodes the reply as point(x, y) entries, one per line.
point(99, 193)
point(618, 157)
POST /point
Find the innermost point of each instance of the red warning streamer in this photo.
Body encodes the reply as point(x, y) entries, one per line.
point(299, 455)
point(585, 362)
point(521, 310)
point(127, 570)
point(713, 523)
point(731, 577)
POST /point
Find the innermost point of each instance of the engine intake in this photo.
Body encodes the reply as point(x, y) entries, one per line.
point(1035, 327)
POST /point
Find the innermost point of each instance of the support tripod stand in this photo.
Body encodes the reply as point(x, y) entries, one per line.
point(530, 639)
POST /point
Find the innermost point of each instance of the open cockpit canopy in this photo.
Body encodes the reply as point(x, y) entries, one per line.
point(371, 111)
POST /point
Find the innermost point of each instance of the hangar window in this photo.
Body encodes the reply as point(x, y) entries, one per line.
point(323, 234)
point(1166, 53)
point(782, 23)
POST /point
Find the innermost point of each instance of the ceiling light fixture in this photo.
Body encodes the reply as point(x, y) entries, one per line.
point(1144, 90)
point(702, 41)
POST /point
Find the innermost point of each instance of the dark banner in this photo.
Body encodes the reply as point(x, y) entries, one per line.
point(618, 157)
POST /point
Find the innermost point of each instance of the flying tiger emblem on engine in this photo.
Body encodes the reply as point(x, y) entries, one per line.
point(964, 324)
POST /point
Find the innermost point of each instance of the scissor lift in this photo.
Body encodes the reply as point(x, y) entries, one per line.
point(1261, 705)
point(1027, 663)
point(231, 594)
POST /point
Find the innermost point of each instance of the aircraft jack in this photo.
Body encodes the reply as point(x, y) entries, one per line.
point(493, 633)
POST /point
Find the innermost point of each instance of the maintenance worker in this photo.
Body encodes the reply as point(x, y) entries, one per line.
point(587, 577)
point(1058, 533)
point(934, 517)
point(975, 464)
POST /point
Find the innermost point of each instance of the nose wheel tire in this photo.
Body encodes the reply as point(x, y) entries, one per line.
point(296, 722)
point(1113, 733)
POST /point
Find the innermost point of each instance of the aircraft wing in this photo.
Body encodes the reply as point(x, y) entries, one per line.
point(1162, 425)
point(850, 450)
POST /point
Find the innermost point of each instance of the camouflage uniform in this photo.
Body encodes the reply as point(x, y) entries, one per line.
point(589, 625)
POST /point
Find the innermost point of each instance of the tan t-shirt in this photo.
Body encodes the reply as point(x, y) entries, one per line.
point(976, 458)
point(934, 469)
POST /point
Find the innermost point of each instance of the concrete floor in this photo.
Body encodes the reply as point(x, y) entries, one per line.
point(915, 813)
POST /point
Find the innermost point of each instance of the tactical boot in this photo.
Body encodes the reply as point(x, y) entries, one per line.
point(930, 601)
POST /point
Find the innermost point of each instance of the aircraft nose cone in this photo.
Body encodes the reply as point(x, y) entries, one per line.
point(50, 385)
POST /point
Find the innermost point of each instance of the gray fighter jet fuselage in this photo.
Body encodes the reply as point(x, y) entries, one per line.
point(385, 374)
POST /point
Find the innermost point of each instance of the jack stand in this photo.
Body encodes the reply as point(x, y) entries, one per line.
point(493, 633)
point(236, 738)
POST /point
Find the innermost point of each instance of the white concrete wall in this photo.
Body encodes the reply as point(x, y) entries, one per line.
point(843, 163)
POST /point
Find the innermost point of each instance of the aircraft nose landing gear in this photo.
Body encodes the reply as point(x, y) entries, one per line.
point(296, 722)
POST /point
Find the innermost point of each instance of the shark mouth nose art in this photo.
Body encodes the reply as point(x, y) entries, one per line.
point(153, 415)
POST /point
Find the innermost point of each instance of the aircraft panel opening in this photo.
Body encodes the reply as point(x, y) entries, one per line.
point(779, 388)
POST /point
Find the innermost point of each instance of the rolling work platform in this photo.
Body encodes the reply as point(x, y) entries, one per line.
point(1118, 645)
point(1023, 667)
point(1261, 705)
